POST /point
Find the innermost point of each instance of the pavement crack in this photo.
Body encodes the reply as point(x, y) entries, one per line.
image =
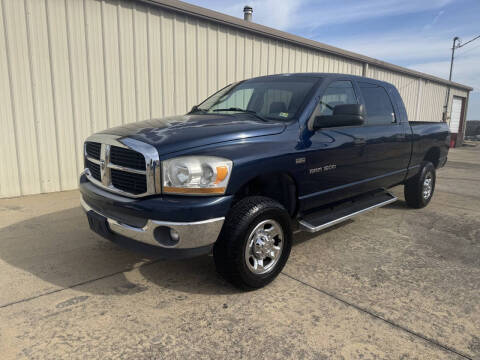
point(78, 284)
point(378, 317)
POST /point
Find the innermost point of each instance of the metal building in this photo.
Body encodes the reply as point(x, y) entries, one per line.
point(69, 68)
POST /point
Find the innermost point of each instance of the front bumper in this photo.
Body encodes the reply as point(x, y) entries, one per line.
point(189, 235)
point(150, 222)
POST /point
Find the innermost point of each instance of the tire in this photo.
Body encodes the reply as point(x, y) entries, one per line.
point(419, 189)
point(250, 234)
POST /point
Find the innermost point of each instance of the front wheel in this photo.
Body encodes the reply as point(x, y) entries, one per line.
point(419, 189)
point(254, 244)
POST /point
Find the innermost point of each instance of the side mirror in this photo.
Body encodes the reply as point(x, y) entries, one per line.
point(343, 115)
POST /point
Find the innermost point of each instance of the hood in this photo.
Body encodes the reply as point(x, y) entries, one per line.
point(188, 131)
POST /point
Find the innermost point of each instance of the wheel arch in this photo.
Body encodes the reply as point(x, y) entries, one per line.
point(433, 155)
point(279, 186)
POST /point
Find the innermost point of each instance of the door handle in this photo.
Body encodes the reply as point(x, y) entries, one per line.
point(359, 141)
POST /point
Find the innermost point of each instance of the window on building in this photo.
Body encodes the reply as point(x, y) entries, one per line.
point(378, 106)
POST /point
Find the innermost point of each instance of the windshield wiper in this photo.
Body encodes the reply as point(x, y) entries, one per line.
point(243, 111)
point(195, 109)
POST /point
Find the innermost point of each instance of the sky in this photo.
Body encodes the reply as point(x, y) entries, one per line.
point(416, 34)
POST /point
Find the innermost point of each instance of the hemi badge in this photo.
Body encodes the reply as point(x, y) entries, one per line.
point(300, 160)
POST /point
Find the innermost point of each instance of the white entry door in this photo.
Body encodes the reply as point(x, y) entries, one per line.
point(456, 115)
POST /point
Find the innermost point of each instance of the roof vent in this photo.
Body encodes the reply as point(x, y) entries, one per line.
point(247, 13)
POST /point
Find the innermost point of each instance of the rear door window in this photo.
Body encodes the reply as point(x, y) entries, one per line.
point(401, 110)
point(378, 106)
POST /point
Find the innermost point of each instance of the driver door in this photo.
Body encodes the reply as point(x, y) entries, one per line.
point(336, 160)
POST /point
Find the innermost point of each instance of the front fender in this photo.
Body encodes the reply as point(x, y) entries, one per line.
point(256, 156)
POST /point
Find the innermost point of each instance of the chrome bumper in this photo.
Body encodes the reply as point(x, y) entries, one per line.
point(190, 234)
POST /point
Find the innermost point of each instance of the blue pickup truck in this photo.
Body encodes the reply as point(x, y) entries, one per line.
point(255, 162)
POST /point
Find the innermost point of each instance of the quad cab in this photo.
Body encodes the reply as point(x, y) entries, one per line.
point(254, 162)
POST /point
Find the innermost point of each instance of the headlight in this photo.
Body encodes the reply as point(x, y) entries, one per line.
point(197, 175)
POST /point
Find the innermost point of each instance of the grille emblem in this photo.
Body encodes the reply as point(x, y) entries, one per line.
point(104, 160)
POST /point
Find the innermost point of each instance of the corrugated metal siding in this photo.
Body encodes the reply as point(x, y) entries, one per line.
point(432, 101)
point(406, 85)
point(423, 99)
point(72, 67)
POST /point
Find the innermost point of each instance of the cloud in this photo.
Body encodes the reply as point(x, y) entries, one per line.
point(319, 13)
point(289, 15)
point(434, 21)
point(399, 46)
point(464, 69)
point(426, 52)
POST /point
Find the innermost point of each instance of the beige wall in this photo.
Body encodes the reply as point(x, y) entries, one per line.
point(423, 99)
point(70, 68)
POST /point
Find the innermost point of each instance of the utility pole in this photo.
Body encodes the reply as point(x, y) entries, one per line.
point(454, 46)
point(445, 108)
point(453, 55)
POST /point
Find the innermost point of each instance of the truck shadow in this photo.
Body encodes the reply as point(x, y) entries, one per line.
point(399, 204)
point(301, 237)
point(198, 275)
point(60, 249)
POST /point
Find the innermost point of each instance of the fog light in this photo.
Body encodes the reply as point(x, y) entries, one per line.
point(165, 236)
point(174, 235)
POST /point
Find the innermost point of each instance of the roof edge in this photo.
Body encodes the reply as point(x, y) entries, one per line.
point(214, 16)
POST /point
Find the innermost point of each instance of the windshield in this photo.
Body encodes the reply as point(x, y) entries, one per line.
point(268, 98)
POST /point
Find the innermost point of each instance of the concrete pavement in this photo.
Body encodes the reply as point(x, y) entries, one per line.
point(393, 283)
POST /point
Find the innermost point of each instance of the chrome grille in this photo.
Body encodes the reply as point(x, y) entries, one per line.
point(132, 183)
point(122, 165)
point(93, 149)
point(94, 169)
point(127, 157)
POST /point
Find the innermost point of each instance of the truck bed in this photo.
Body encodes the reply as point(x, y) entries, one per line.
point(429, 135)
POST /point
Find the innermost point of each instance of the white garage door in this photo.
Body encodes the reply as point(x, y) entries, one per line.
point(456, 115)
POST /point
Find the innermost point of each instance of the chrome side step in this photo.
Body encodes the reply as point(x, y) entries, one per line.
point(330, 216)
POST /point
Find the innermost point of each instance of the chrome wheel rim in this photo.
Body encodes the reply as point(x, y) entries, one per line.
point(264, 247)
point(427, 186)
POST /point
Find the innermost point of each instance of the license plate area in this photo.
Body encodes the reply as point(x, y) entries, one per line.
point(98, 223)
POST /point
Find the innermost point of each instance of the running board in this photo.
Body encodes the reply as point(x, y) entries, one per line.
point(330, 216)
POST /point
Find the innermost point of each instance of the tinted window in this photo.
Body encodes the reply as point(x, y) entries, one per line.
point(276, 101)
point(271, 98)
point(238, 99)
point(378, 106)
point(337, 93)
point(401, 111)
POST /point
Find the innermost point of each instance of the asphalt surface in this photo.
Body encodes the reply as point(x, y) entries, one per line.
point(394, 283)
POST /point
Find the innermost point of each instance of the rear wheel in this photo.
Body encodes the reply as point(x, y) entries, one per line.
point(254, 244)
point(419, 189)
